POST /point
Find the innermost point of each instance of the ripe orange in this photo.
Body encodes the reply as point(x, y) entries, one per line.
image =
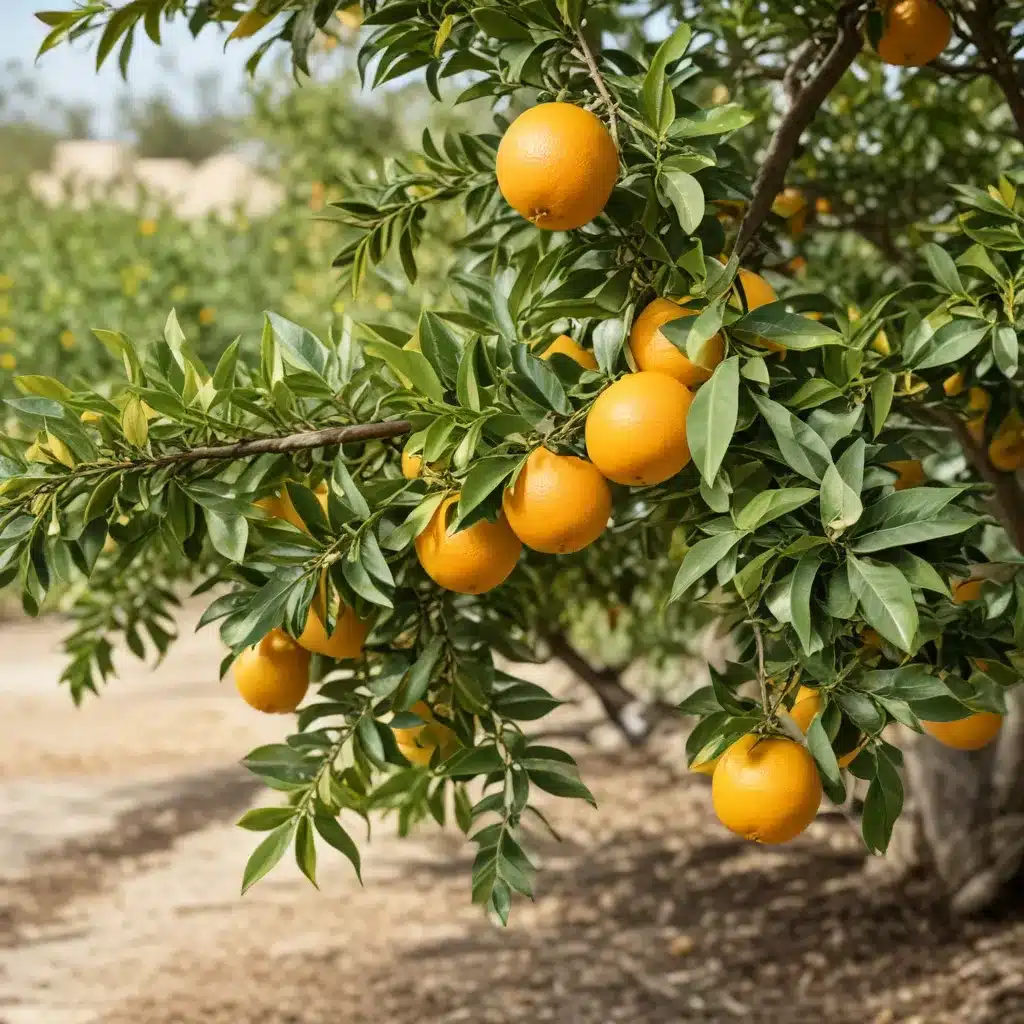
point(345, 642)
point(653, 351)
point(915, 33)
point(566, 346)
point(971, 733)
point(788, 203)
point(1006, 450)
point(412, 465)
point(419, 742)
point(281, 506)
point(967, 590)
point(273, 675)
point(954, 384)
point(911, 473)
point(636, 430)
point(557, 166)
point(559, 503)
point(757, 291)
point(471, 561)
point(766, 789)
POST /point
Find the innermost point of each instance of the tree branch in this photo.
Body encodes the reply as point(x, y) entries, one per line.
point(804, 104)
point(980, 18)
point(620, 704)
point(289, 443)
point(598, 79)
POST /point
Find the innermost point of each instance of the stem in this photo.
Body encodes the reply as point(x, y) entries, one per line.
point(761, 680)
point(980, 18)
point(595, 74)
point(804, 103)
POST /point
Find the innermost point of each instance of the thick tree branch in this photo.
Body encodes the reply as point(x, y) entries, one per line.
point(622, 707)
point(980, 18)
point(804, 103)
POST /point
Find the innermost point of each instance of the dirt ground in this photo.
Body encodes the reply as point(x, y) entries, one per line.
point(120, 865)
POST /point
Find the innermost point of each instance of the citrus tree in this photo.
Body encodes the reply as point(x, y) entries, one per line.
point(615, 408)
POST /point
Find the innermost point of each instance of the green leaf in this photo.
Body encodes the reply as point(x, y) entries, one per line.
point(418, 681)
point(607, 338)
point(685, 194)
point(950, 344)
point(946, 523)
point(943, 268)
point(702, 558)
point(305, 849)
point(441, 347)
point(1006, 349)
point(821, 750)
point(561, 784)
point(886, 600)
point(467, 387)
point(473, 761)
point(802, 448)
point(881, 400)
point(715, 121)
point(331, 832)
point(483, 479)
point(908, 506)
point(711, 420)
point(134, 423)
point(228, 534)
point(768, 505)
point(800, 597)
point(263, 819)
point(841, 506)
point(659, 105)
point(408, 364)
point(268, 853)
point(538, 381)
point(921, 574)
point(882, 805)
point(775, 322)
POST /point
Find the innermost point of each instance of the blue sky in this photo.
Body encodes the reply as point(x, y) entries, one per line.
point(68, 74)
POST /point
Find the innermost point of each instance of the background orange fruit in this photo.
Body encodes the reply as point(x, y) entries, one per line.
point(419, 742)
point(412, 465)
point(559, 503)
point(916, 32)
point(756, 290)
point(636, 430)
point(971, 733)
point(557, 166)
point(911, 473)
point(273, 675)
point(766, 789)
point(653, 351)
point(566, 346)
point(967, 590)
point(471, 561)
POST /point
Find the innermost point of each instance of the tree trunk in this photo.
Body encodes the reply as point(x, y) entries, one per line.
point(966, 814)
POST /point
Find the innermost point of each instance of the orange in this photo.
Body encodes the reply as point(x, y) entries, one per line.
point(412, 465)
point(954, 384)
point(822, 206)
point(788, 203)
point(559, 503)
point(805, 707)
point(915, 33)
point(967, 590)
point(419, 742)
point(1006, 450)
point(766, 789)
point(756, 289)
point(566, 346)
point(557, 166)
point(636, 430)
point(758, 292)
point(911, 473)
point(653, 351)
point(971, 733)
point(281, 506)
point(471, 561)
point(345, 642)
point(273, 675)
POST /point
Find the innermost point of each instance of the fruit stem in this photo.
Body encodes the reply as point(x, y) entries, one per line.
point(761, 680)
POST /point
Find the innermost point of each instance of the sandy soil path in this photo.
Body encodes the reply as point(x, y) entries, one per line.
point(119, 872)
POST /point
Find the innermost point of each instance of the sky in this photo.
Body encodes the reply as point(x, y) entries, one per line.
point(68, 73)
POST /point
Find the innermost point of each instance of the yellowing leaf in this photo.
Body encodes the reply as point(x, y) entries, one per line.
point(134, 423)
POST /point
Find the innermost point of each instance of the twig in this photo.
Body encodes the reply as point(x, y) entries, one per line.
point(598, 78)
point(804, 105)
point(761, 680)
